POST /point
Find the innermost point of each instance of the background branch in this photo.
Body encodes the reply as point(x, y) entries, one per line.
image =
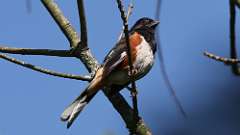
point(222, 59)
point(162, 64)
point(45, 71)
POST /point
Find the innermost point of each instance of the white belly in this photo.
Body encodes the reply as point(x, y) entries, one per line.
point(144, 59)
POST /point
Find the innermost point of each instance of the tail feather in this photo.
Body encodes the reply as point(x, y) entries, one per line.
point(74, 109)
point(68, 111)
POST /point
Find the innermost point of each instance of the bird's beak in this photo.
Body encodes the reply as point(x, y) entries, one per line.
point(155, 24)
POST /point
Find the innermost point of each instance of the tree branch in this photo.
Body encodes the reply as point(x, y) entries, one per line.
point(134, 88)
point(83, 24)
point(222, 59)
point(45, 71)
point(28, 51)
point(62, 22)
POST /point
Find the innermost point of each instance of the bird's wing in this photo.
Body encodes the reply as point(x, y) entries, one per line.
point(115, 57)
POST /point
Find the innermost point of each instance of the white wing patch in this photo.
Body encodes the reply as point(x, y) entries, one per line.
point(120, 60)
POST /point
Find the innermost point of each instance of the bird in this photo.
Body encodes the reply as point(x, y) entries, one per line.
point(114, 71)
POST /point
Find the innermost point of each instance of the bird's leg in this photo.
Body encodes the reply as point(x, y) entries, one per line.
point(132, 91)
point(132, 75)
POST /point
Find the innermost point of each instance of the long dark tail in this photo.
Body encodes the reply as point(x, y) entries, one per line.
point(74, 109)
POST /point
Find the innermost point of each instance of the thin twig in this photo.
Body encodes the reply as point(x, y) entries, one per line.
point(130, 8)
point(222, 59)
point(83, 24)
point(162, 64)
point(28, 51)
point(45, 71)
point(62, 22)
point(134, 89)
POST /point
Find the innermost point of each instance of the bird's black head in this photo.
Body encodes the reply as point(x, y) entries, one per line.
point(146, 27)
point(145, 23)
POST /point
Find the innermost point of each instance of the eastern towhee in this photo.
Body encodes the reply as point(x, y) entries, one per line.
point(115, 67)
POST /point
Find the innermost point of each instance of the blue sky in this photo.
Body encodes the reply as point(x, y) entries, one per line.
point(31, 103)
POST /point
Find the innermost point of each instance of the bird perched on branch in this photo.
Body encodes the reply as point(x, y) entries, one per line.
point(115, 68)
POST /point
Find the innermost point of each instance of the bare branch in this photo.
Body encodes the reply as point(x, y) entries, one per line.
point(134, 88)
point(45, 71)
point(83, 24)
point(221, 59)
point(28, 51)
point(62, 22)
